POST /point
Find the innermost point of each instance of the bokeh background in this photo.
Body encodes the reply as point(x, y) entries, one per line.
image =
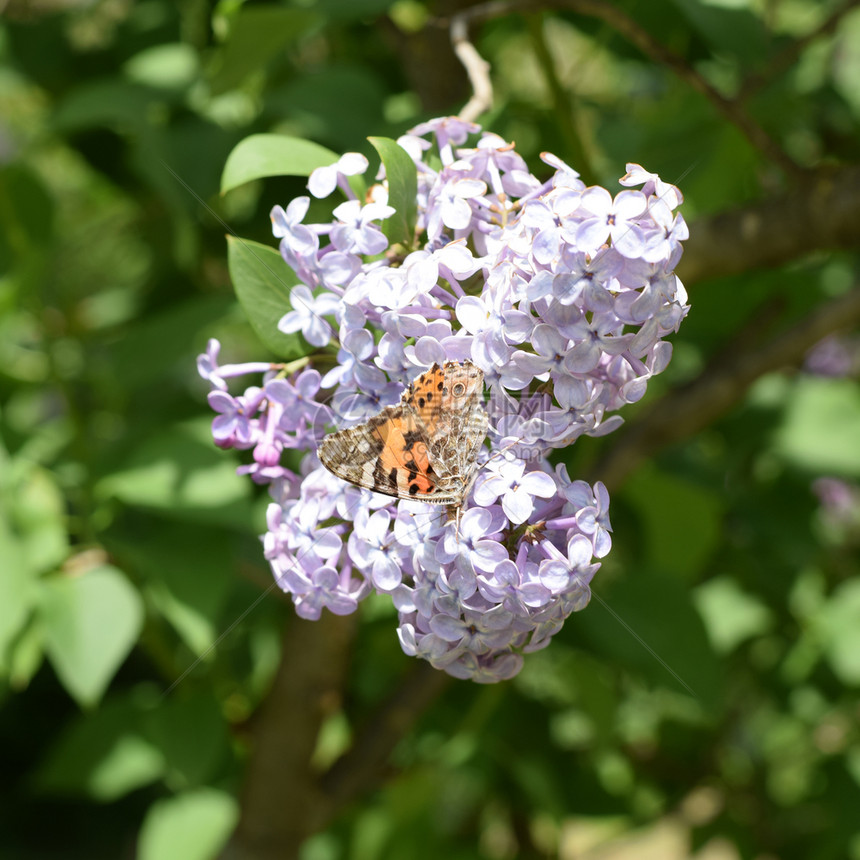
point(159, 699)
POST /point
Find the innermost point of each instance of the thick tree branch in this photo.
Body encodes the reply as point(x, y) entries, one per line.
point(366, 764)
point(822, 214)
point(687, 409)
point(285, 800)
point(282, 802)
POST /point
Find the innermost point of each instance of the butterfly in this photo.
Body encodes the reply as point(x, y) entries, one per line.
point(423, 449)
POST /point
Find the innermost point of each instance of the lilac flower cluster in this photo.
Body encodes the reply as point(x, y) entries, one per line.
point(561, 294)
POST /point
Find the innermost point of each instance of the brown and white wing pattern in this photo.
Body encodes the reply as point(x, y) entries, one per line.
point(425, 448)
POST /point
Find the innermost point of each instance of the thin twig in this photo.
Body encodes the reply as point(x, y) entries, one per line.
point(477, 68)
point(786, 58)
point(630, 29)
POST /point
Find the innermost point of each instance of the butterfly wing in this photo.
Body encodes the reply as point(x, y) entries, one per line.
point(387, 454)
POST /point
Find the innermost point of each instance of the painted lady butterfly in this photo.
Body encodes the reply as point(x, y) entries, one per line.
point(423, 449)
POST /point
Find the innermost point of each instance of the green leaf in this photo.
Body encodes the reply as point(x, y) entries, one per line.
point(353, 10)
point(846, 63)
point(682, 520)
point(170, 66)
point(273, 155)
point(40, 515)
point(334, 103)
point(182, 471)
point(103, 754)
point(165, 338)
point(258, 34)
point(262, 281)
point(107, 102)
point(18, 592)
point(839, 628)
point(191, 826)
point(822, 426)
point(736, 32)
point(402, 178)
point(27, 655)
point(188, 571)
point(27, 212)
point(192, 735)
point(731, 615)
point(91, 623)
point(649, 624)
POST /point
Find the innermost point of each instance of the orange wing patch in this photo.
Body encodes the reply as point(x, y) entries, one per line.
point(425, 448)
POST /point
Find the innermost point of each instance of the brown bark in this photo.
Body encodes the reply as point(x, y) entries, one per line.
point(820, 214)
point(281, 802)
point(284, 799)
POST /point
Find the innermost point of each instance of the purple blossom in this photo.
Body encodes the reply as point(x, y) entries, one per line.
point(307, 315)
point(324, 180)
point(508, 480)
point(323, 588)
point(356, 233)
point(372, 547)
point(215, 374)
point(452, 207)
point(611, 218)
point(562, 295)
point(287, 225)
point(472, 543)
point(233, 428)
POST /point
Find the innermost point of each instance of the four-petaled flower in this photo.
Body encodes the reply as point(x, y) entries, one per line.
point(509, 480)
point(307, 315)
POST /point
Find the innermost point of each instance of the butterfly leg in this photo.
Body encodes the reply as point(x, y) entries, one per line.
point(454, 513)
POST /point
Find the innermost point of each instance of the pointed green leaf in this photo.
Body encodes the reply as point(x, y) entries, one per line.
point(191, 826)
point(258, 34)
point(91, 622)
point(103, 753)
point(402, 178)
point(189, 729)
point(263, 281)
point(273, 155)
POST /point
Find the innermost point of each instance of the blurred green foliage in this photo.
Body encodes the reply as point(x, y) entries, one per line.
point(711, 689)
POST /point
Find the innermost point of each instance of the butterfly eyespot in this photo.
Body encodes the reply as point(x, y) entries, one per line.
point(458, 390)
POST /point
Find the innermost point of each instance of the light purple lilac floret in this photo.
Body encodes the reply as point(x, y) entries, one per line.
point(561, 294)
